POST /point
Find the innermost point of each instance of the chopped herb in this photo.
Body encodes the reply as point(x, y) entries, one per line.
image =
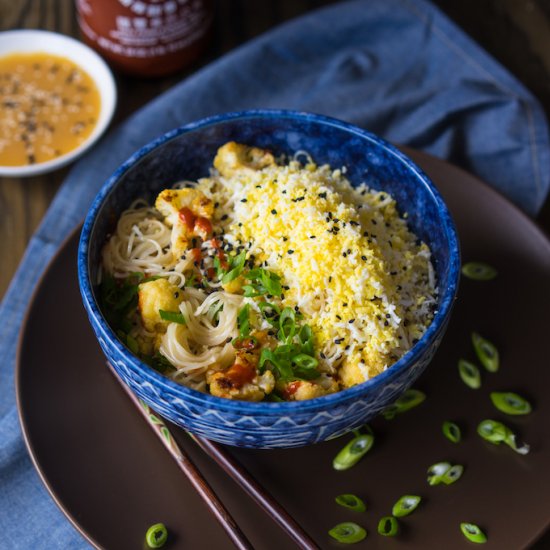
point(172, 316)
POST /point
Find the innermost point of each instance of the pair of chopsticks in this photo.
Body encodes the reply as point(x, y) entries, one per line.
point(233, 469)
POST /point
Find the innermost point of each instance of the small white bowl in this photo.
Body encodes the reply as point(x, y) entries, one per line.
point(29, 41)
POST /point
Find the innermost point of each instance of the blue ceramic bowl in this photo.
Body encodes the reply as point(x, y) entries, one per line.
point(187, 153)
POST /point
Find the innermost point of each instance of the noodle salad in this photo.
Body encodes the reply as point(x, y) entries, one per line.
point(270, 279)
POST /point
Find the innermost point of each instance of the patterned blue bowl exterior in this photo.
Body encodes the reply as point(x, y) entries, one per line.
point(187, 153)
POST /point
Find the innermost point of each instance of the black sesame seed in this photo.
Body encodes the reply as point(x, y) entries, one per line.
point(345, 304)
point(344, 254)
point(351, 321)
point(285, 239)
point(322, 355)
point(322, 195)
point(338, 317)
point(274, 212)
point(312, 237)
point(290, 251)
point(386, 323)
point(364, 258)
point(243, 200)
point(338, 341)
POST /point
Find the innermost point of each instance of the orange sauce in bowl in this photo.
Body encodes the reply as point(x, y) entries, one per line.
point(48, 107)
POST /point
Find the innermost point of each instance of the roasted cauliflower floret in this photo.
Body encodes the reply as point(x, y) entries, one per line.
point(235, 157)
point(300, 390)
point(241, 380)
point(156, 295)
point(188, 212)
point(355, 372)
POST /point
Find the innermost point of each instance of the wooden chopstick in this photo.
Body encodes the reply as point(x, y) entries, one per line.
point(235, 470)
point(193, 474)
point(243, 478)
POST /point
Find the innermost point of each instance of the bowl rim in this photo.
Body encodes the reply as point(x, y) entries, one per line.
point(317, 404)
point(42, 41)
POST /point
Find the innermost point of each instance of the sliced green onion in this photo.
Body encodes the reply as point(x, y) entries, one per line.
point(452, 431)
point(236, 264)
point(493, 431)
point(348, 532)
point(270, 312)
point(409, 399)
point(388, 526)
point(469, 374)
point(353, 451)
point(454, 473)
point(156, 535)
point(510, 403)
point(243, 321)
point(473, 533)
point(353, 502)
point(172, 316)
point(405, 505)
point(287, 324)
point(306, 339)
point(479, 271)
point(486, 352)
point(271, 282)
point(496, 433)
point(437, 471)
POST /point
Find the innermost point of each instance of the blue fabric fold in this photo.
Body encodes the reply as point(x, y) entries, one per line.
point(398, 68)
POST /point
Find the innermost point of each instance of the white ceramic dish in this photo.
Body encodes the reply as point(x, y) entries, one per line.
point(27, 41)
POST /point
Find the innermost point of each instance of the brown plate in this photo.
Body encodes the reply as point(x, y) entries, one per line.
point(112, 478)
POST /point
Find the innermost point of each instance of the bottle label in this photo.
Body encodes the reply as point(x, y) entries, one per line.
point(147, 28)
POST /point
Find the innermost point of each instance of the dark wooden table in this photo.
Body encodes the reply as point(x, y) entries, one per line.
point(516, 32)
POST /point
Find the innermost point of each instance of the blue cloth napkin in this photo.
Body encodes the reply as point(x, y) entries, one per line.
point(398, 68)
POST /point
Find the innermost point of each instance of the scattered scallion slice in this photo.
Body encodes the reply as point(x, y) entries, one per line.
point(454, 473)
point(409, 399)
point(172, 316)
point(486, 352)
point(353, 451)
point(156, 535)
point(437, 471)
point(348, 532)
point(510, 403)
point(353, 502)
point(452, 431)
point(479, 271)
point(388, 526)
point(405, 505)
point(469, 374)
point(473, 533)
point(496, 432)
point(492, 431)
